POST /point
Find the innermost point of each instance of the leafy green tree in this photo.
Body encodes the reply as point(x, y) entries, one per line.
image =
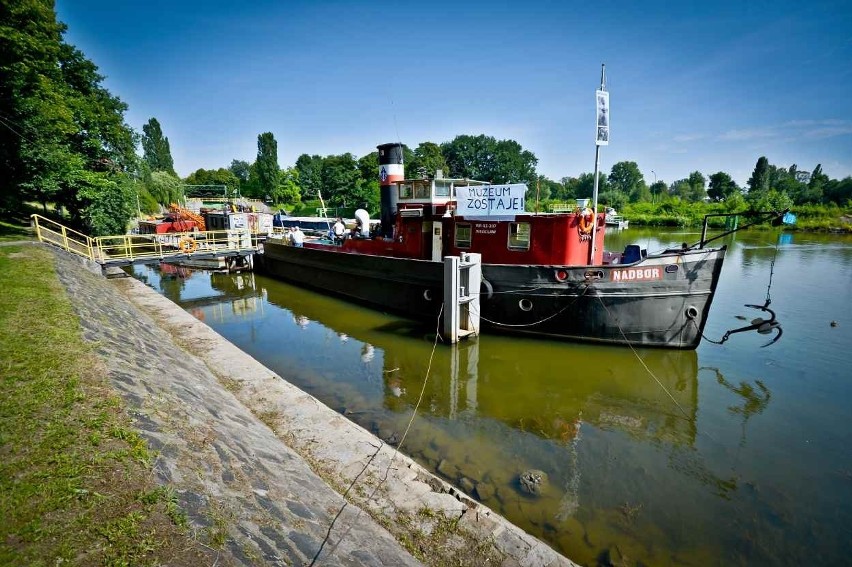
point(147, 204)
point(165, 188)
point(697, 186)
point(658, 190)
point(721, 187)
point(288, 192)
point(839, 192)
point(626, 179)
point(105, 203)
point(483, 157)
point(770, 200)
point(567, 190)
point(680, 189)
point(241, 169)
point(611, 198)
point(368, 166)
point(513, 164)
point(427, 160)
point(470, 156)
point(57, 123)
point(341, 181)
point(157, 152)
point(538, 192)
point(759, 180)
point(101, 135)
point(818, 179)
point(786, 181)
point(219, 176)
point(585, 186)
point(268, 172)
point(310, 174)
point(30, 126)
point(251, 188)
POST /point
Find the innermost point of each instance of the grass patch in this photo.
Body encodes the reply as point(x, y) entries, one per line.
point(439, 541)
point(75, 478)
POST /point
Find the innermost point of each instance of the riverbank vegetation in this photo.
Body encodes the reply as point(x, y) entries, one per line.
point(64, 142)
point(76, 482)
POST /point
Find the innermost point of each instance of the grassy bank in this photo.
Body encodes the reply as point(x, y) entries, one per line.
point(75, 479)
point(817, 218)
point(15, 227)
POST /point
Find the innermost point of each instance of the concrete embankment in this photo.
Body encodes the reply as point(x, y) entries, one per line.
point(268, 464)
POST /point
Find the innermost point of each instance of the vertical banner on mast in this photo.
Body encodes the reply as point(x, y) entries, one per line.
point(602, 98)
point(601, 139)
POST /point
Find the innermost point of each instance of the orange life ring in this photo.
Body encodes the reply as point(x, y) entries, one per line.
point(187, 245)
point(587, 221)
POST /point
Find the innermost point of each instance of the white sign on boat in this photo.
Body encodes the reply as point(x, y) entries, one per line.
point(492, 202)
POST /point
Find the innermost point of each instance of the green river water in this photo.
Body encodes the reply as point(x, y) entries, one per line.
point(727, 455)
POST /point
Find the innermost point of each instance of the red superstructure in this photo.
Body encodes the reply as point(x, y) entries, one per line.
point(425, 228)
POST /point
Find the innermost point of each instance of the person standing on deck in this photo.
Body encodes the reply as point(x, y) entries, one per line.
point(339, 229)
point(297, 237)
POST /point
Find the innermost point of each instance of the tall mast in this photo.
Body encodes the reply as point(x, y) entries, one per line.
point(601, 139)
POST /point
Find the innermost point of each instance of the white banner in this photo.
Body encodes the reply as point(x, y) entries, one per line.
point(602, 98)
point(498, 202)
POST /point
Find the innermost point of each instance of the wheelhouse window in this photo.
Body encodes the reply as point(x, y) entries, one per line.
point(415, 190)
point(421, 190)
point(519, 236)
point(463, 235)
point(442, 188)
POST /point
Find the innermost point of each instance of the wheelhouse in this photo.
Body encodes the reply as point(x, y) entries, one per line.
point(427, 219)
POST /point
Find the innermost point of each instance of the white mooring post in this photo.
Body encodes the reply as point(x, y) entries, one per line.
point(462, 278)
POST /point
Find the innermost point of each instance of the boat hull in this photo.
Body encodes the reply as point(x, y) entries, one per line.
point(659, 301)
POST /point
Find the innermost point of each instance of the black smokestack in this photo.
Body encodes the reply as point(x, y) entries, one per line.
point(390, 170)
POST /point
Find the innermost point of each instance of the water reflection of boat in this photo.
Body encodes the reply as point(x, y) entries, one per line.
point(541, 387)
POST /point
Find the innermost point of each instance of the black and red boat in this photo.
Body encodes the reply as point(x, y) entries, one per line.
point(542, 273)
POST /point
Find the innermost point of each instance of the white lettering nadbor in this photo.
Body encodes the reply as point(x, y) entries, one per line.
point(636, 274)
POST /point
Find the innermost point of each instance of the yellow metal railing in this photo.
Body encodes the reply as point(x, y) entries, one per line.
point(141, 246)
point(132, 247)
point(66, 238)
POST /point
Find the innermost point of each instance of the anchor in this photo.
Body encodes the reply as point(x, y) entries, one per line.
point(759, 324)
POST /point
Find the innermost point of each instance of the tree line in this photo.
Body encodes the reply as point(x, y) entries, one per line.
point(64, 141)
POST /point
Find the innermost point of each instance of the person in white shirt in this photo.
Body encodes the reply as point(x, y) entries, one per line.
point(339, 229)
point(297, 237)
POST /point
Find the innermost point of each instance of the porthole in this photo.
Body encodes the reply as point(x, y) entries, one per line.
point(525, 305)
point(427, 295)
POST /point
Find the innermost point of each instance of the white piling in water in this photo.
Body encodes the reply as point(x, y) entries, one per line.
point(462, 278)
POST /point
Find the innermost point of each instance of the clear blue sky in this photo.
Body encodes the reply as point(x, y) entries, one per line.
point(703, 86)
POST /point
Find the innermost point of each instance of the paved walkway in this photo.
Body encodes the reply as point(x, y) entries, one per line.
point(241, 446)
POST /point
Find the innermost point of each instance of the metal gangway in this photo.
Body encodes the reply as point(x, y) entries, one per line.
point(126, 249)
